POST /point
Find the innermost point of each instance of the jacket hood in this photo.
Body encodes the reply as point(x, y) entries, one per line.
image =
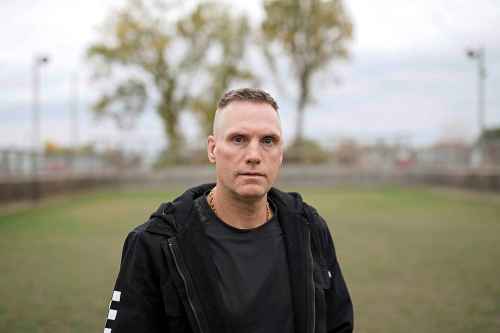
point(170, 218)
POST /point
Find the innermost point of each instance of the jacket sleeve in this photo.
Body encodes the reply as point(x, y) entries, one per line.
point(136, 303)
point(340, 317)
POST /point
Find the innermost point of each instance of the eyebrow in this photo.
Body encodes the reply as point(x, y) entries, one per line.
point(273, 134)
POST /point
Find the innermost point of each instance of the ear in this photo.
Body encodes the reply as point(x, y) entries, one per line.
point(211, 148)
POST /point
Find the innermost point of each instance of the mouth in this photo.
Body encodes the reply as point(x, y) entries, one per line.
point(251, 174)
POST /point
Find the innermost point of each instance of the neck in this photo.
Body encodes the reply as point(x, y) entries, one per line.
point(238, 212)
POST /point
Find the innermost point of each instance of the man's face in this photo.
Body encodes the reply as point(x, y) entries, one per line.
point(246, 148)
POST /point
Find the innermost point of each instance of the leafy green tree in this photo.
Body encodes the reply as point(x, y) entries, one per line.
point(224, 65)
point(142, 60)
point(175, 57)
point(311, 34)
point(490, 135)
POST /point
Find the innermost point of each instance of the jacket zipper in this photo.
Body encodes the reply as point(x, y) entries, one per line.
point(311, 277)
point(172, 246)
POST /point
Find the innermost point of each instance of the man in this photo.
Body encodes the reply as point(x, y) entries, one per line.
point(238, 255)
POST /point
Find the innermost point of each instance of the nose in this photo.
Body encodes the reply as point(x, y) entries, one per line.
point(253, 155)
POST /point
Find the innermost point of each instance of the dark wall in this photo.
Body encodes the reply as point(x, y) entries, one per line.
point(21, 190)
point(28, 189)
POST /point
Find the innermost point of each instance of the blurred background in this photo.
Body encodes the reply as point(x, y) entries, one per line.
point(391, 119)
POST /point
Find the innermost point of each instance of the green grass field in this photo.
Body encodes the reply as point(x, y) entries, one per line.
point(416, 260)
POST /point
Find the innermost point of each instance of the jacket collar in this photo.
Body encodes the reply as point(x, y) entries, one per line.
point(173, 217)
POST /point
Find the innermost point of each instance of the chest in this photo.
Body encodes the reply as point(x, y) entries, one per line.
point(253, 278)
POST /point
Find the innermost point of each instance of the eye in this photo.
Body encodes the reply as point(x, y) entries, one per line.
point(268, 140)
point(238, 139)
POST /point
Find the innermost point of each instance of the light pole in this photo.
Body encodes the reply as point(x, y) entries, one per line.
point(74, 129)
point(479, 54)
point(74, 132)
point(39, 61)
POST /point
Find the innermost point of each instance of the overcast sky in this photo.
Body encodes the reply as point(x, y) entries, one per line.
point(408, 76)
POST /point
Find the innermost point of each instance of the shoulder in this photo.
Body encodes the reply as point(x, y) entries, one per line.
point(139, 239)
point(148, 235)
point(293, 201)
point(316, 221)
point(170, 217)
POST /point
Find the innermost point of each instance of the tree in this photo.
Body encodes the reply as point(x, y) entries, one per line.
point(229, 36)
point(141, 58)
point(311, 33)
point(490, 135)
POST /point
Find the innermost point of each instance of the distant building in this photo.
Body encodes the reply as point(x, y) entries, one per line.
point(446, 155)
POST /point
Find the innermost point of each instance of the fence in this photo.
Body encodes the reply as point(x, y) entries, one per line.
point(21, 164)
point(25, 175)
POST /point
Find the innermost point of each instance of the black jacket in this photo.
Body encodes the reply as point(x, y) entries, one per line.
point(166, 280)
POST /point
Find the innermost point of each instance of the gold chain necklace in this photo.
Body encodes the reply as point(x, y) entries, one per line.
point(212, 205)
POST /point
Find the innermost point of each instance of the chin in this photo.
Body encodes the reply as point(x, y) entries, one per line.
point(251, 191)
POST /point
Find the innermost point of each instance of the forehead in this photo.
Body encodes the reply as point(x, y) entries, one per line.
point(249, 116)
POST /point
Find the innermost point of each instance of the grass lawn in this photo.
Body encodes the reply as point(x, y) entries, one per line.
point(415, 259)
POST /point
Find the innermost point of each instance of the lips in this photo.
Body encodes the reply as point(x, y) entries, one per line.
point(252, 174)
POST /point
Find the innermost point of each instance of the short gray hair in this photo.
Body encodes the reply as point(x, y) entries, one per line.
point(247, 95)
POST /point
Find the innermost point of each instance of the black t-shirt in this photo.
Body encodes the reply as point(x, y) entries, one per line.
point(252, 273)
